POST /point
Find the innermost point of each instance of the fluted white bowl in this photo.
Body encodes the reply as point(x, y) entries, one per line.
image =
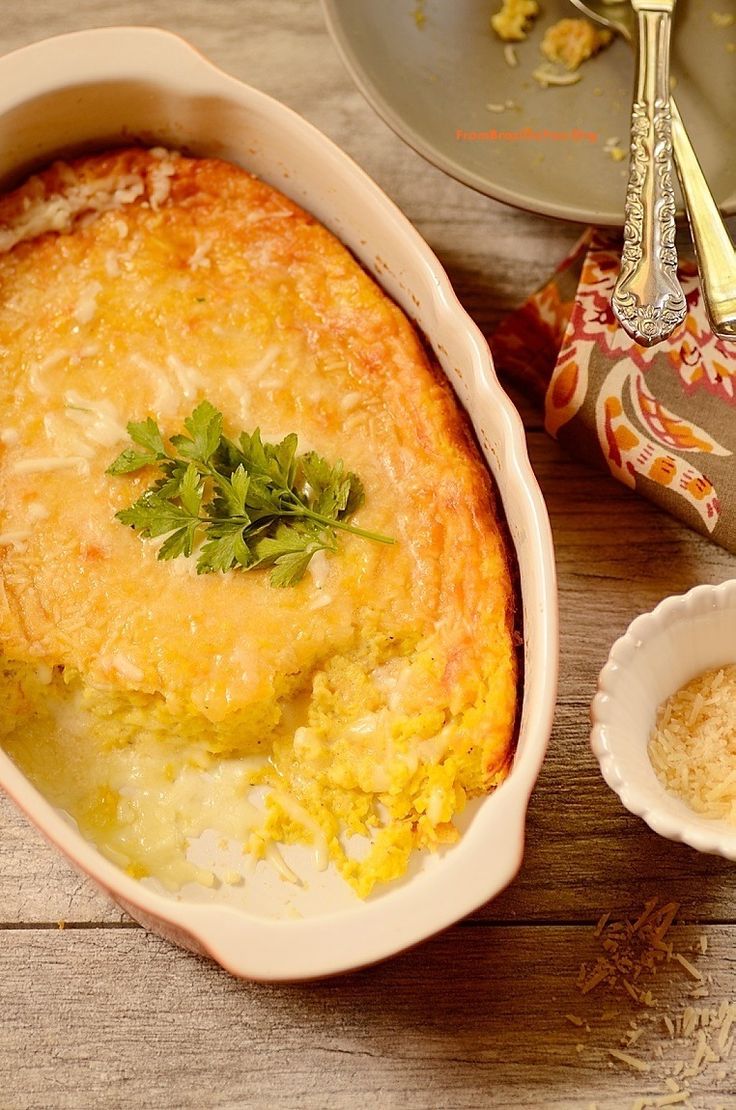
point(660, 652)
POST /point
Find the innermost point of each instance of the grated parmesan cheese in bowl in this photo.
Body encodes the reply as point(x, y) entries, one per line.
point(693, 745)
point(664, 725)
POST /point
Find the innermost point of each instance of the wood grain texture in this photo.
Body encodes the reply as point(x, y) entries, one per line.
point(101, 1014)
point(474, 1018)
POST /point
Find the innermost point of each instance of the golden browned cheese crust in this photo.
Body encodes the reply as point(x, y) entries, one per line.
point(168, 280)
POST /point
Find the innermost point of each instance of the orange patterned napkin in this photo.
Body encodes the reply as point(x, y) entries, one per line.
point(662, 420)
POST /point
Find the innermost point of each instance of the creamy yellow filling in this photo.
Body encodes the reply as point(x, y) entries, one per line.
point(144, 784)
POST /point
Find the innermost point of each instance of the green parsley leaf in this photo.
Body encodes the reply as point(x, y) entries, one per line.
point(289, 569)
point(170, 483)
point(130, 460)
point(316, 470)
point(238, 504)
point(288, 540)
point(224, 553)
point(334, 492)
point(190, 490)
point(205, 429)
point(232, 494)
point(147, 434)
point(152, 515)
point(180, 542)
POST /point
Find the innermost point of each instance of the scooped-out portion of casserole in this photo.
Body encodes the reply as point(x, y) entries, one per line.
point(354, 710)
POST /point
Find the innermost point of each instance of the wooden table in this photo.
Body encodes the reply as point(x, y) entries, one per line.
point(100, 1014)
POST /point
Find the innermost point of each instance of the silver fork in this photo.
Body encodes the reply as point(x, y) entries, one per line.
point(648, 299)
point(715, 251)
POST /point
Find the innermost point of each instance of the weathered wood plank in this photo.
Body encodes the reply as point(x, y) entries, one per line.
point(37, 884)
point(473, 1018)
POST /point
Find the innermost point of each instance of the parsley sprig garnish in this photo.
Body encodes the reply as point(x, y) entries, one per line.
point(245, 504)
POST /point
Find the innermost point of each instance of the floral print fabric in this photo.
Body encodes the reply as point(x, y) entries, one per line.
point(662, 419)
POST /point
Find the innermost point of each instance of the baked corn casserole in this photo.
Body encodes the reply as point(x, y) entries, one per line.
point(355, 710)
point(570, 42)
point(513, 21)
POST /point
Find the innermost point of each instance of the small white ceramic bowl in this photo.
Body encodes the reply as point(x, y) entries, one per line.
point(93, 89)
point(661, 651)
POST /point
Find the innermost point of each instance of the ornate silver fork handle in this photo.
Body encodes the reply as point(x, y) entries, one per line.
point(648, 299)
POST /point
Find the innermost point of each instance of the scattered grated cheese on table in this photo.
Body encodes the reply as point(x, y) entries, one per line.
point(692, 971)
point(702, 1033)
point(630, 1061)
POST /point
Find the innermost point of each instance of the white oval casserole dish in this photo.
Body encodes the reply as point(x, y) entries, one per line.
point(93, 89)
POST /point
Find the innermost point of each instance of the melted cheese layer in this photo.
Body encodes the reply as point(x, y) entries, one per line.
point(382, 687)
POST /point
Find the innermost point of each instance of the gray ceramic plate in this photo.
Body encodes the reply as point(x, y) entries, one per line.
point(433, 80)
